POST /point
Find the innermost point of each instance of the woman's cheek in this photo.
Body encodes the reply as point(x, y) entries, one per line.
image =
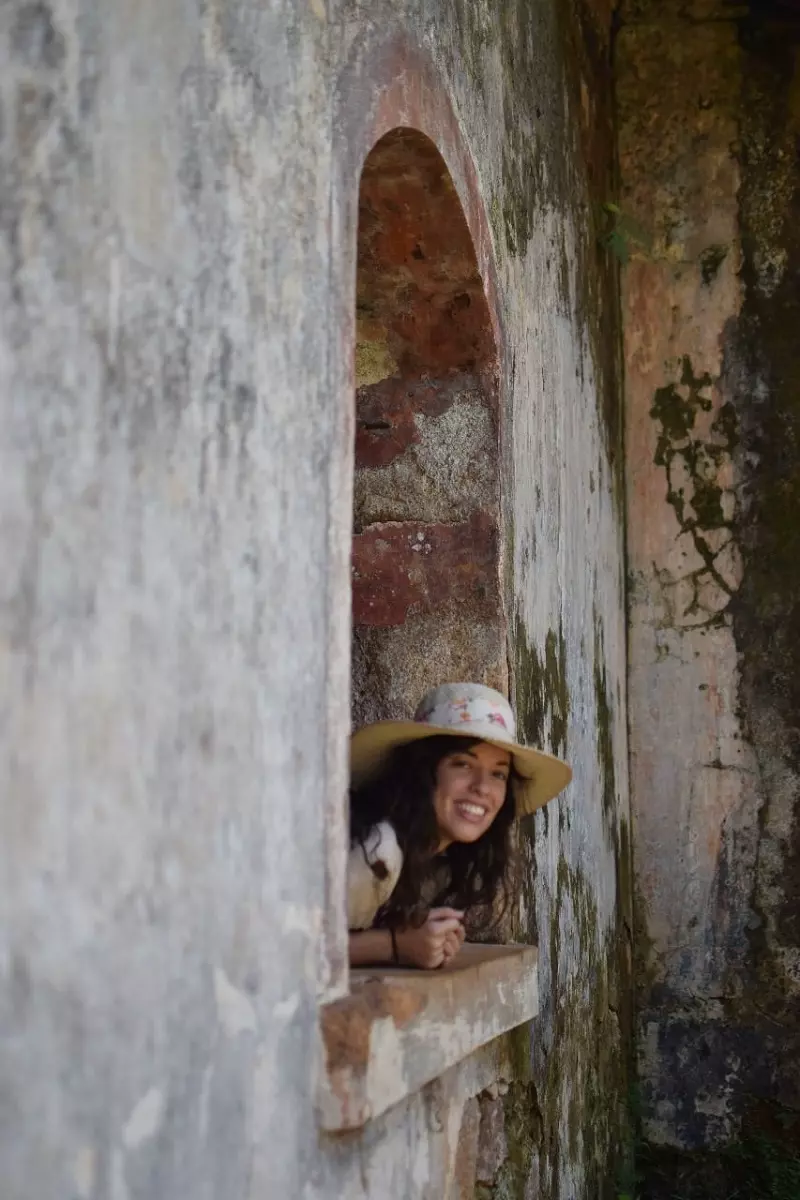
point(497, 804)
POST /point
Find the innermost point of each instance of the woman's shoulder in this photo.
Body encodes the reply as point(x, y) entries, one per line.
point(373, 869)
point(381, 844)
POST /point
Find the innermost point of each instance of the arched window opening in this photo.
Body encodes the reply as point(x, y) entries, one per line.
point(426, 591)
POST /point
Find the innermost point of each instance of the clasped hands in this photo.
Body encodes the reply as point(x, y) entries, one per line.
point(433, 943)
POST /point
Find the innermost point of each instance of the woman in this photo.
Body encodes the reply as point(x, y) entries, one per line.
point(432, 808)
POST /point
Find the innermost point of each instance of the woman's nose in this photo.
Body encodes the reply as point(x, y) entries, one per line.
point(480, 781)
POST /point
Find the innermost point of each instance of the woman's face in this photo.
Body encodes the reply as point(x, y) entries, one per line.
point(470, 790)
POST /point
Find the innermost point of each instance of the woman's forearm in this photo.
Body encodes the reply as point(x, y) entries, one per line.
point(370, 946)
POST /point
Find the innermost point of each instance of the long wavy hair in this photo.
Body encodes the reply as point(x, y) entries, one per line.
point(473, 876)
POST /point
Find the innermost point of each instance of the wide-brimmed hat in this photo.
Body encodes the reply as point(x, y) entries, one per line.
point(467, 710)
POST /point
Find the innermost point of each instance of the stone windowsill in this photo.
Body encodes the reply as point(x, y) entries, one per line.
point(399, 1029)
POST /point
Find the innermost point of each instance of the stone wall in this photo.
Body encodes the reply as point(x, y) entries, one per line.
point(426, 512)
point(709, 113)
point(178, 271)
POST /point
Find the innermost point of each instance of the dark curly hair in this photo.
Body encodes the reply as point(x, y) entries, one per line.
point(472, 876)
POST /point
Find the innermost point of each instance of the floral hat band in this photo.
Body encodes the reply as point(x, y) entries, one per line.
point(466, 710)
point(469, 708)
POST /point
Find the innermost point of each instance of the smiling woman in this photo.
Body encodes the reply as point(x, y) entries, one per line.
point(432, 809)
point(434, 799)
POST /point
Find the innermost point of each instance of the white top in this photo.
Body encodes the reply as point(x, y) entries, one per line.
point(366, 893)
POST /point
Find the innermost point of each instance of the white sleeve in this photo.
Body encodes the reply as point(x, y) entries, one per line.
point(366, 892)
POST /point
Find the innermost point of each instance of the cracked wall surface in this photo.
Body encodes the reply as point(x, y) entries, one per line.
point(708, 121)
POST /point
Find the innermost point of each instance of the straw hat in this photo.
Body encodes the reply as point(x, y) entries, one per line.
point(468, 710)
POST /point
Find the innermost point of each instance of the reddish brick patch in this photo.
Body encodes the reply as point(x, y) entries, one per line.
point(417, 272)
point(400, 566)
point(467, 1152)
point(347, 1023)
point(385, 413)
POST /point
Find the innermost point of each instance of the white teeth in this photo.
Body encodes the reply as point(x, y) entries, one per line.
point(474, 810)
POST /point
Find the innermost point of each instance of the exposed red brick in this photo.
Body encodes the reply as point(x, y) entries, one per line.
point(385, 412)
point(417, 271)
point(400, 566)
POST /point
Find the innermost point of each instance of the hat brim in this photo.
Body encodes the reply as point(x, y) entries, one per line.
point(542, 776)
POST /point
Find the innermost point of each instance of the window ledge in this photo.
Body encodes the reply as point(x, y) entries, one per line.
point(399, 1029)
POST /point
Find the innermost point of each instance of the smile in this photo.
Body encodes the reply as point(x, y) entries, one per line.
point(472, 812)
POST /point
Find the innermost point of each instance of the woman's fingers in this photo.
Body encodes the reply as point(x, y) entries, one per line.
point(436, 941)
point(443, 924)
point(458, 939)
point(447, 933)
point(439, 929)
point(452, 944)
point(434, 952)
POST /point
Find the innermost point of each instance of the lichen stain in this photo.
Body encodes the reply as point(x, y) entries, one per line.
point(591, 1071)
point(570, 1107)
point(547, 167)
point(564, 1110)
point(523, 1128)
point(374, 360)
point(695, 446)
point(711, 259)
point(762, 363)
point(745, 1047)
point(604, 727)
point(542, 692)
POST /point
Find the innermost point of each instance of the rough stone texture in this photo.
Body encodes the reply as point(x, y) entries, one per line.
point(177, 304)
point(405, 565)
point(709, 121)
point(426, 495)
point(419, 294)
point(391, 673)
point(431, 455)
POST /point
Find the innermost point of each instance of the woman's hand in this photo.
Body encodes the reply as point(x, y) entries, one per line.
point(453, 943)
point(433, 943)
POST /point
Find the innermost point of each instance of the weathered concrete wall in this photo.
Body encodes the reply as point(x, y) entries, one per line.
point(177, 305)
point(709, 120)
point(564, 531)
point(166, 437)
